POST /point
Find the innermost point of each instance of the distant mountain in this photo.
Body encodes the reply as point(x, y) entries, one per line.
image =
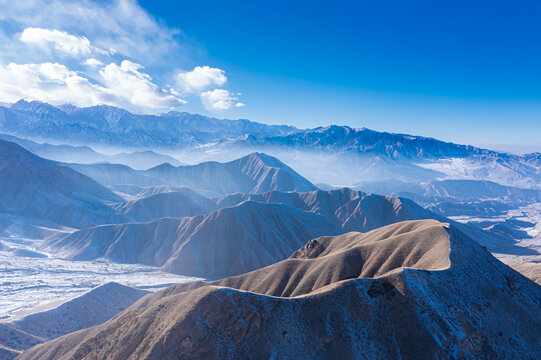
point(114, 127)
point(89, 309)
point(140, 192)
point(253, 173)
point(205, 245)
point(229, 241)
point(33, 187)
point(351, 210)
point(459, 197)
point(335, 155)
point(411, 290)
point(167, 204)
point(140, 160)
point(338, 155)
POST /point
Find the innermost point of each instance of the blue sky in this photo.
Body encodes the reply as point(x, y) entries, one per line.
point(463, 71)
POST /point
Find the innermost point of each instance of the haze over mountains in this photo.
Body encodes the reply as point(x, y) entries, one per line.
point(229, 241)
point(374, 263)
point(253, 173)
point(36, 188)
point(324, 155)
point(139, 160)
point(114, 127)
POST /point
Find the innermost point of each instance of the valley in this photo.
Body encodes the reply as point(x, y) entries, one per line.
point(377, 215)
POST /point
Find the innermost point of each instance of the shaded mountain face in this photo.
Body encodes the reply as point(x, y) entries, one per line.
point(340, 155)
point(111, 126)
point(358, 211)
point(92, 308)
point(411, 290)
point(351, 210)
point(265, 228)
point(139, 160)
point(166, 204)
point(254, 173)
point(459, 197)
point(335, 155)
point(225, 242)
point(36, 188)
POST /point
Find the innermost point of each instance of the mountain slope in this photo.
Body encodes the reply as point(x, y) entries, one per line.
point(459, 197)
point(111, 126)
point(85, 155)
point(228, 241)
point(92, 308)
point(33, 187)
point(253, 173)
point(411, 290)
point(338, 155)
point(168, 204)
point(352, 210)
point(264, 227)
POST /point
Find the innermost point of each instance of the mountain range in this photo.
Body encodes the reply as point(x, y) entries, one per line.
point(226, 242)
point(114, 127)
point(91, 308)
point(252, 173)
point(139, 160)
point(36, 188)
point(175, 223)
point(329, 154)
point(380, 249)
point(391, 293)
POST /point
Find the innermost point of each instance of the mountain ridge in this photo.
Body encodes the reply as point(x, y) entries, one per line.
point(440, 294)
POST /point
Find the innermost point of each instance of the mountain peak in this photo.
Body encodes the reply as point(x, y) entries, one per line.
point(408, 290)
point(37, 107)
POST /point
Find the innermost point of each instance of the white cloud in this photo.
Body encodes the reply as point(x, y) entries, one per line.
point(201, 78)
point(59, 40)
point(136, 87)
point(93, 62)
point(121, 25)
point(122, 85)
point(219, 99)
point(207, 78)
point(51, 82)
point(36, 36)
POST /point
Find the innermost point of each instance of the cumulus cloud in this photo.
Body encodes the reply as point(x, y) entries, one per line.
point(60, 41)
point(51, 82)
point(77, 51)
point(123, 85)
point(204, 80)
point(121, 25)
point(93, 62)
point(219, 99)
point(200, 78)
point(136, 87)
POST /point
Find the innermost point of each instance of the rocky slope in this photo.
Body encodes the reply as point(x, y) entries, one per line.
point(411, 290)
point(167, 204)
point(35, 188)
point(352, 210)
point(92, 308)
point(225, 242)
point(254, 173)
point(115, 127)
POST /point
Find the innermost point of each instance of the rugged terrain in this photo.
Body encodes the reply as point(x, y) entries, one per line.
point(412, 290)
